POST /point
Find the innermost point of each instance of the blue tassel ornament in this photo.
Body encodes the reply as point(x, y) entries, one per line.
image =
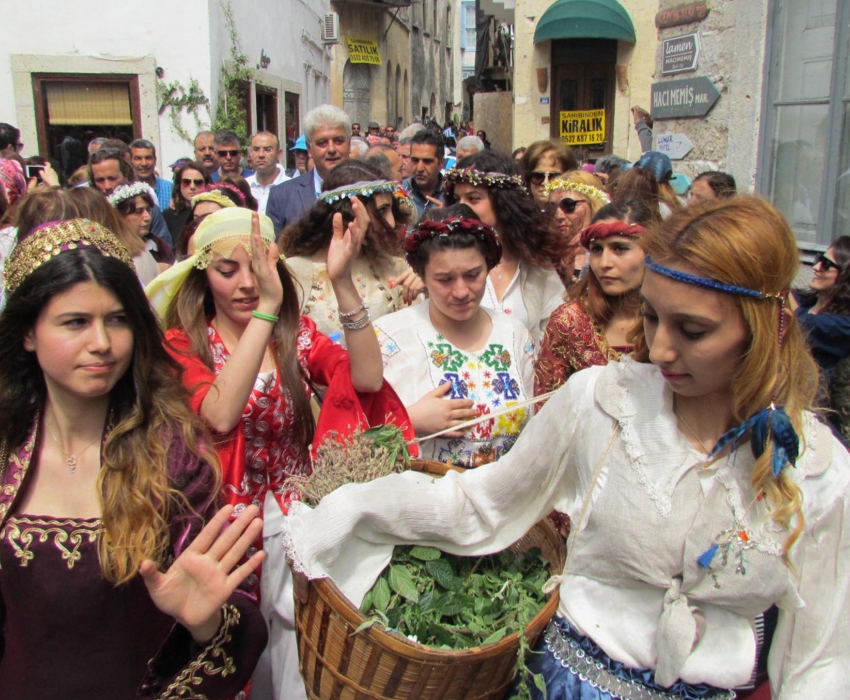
point(705, 559)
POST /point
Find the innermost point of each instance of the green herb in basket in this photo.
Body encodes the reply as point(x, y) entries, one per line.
point(454, 602)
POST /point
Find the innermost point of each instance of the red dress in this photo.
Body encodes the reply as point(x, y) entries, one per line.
point(262, 450)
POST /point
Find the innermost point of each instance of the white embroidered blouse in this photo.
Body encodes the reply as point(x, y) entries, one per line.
point(417, 359)
point(632, 580)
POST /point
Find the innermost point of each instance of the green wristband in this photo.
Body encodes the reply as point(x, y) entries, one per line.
point(265, 317)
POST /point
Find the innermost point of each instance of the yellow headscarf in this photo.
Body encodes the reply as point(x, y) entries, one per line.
point(219, 233)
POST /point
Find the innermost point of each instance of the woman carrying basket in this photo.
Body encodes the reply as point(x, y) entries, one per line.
point(700, 489)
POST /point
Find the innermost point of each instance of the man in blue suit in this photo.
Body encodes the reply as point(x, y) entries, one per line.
point(328, 130)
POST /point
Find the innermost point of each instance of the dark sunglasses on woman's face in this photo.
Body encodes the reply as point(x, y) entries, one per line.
point(825, 263)
point(186, 181)
point(567, 205)
point(538, 177)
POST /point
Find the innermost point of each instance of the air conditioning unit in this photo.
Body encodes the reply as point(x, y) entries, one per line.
point(330, 28)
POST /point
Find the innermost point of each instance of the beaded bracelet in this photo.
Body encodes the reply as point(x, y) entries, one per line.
point(265, 317)
point(357, 324)
point(350, 314)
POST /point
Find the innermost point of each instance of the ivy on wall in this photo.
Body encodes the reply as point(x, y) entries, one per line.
point(235, 78)
point(176, 98)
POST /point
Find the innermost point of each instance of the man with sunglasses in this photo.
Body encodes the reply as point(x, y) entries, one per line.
point(265, 156)
point(229, 155)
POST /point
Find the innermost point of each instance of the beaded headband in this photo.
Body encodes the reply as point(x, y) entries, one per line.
point(771, 424)
point(715, 285)
point(124, 192)
point(580, 187)
point(478, 177)
point(358, 189)
point(426, 230)
point(50, 240)
point(213, 196)
point(598, 232)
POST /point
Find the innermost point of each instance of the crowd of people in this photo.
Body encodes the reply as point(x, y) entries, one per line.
point(585, 340)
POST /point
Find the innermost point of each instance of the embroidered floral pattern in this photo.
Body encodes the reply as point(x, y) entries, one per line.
point(271, 454)
point(67, 535)
point(212, 661)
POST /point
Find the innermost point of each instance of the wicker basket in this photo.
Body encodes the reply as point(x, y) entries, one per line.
point(376, 665)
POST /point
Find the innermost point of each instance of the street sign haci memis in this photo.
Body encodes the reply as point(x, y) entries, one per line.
point(690, 97)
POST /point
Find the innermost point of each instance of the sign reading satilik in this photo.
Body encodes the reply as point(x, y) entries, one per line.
point(363, 51)
point(680, 54)
point(582, 128)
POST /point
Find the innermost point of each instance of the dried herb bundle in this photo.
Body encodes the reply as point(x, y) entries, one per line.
point(454, 602)
point(364, 456)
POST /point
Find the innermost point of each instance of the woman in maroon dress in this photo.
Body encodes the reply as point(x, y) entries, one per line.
point(591, 328)
point(103, 483)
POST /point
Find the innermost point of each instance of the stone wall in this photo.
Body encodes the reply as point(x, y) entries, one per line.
point(491, 110)
point(732, 56)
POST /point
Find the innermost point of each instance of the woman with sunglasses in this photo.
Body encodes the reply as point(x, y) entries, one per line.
point(134, 202)
point(574, 200)
point(524, 285)
point(824, 312)
point(189, 179)
point(542, 162)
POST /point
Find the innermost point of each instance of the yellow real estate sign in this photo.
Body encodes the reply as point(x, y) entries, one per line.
point(363, 51)
point(581, 128)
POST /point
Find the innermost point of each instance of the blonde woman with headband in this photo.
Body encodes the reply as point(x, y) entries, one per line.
point(700, 487)
point(574, 200)
point(250, 359)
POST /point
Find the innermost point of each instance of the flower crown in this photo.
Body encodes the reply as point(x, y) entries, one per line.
point(358, 189)
point(124, 192)
point(427, 230)
point(478, 177)
point(580, 187)
point(230, 188)
point(600, 231)
point(50, 240)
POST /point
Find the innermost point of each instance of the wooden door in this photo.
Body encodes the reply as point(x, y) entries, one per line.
point(583, 78)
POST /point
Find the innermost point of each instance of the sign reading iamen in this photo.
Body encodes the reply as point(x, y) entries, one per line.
point(582, 128)
point(363, 51)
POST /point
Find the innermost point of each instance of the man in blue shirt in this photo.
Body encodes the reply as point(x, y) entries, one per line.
point(425, 184)
point(143, 159)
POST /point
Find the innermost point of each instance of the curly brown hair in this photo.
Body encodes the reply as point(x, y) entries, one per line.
point(313, 232)
point(523, 227)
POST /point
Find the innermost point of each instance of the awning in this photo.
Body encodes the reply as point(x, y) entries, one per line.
point(585, 19)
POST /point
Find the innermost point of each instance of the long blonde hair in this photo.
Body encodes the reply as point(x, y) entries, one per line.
point(745, 242)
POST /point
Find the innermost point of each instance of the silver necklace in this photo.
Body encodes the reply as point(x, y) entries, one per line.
point(70, 459)
point(691, 431)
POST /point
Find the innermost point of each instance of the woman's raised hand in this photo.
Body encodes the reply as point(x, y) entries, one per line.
point(206, 574)
point(264, 265)
point(412, 283)
point(433, 413)
point(345, 244)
